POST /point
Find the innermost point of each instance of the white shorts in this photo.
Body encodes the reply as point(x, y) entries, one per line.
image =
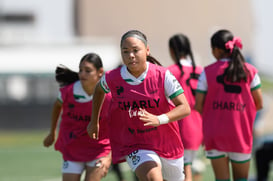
point(172, 170)
point(189, 156)
point(198, 166)
point(77, 167)
point(234, 157)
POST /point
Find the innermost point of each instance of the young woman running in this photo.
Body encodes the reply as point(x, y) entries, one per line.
point(143, 126)
point(79, 151)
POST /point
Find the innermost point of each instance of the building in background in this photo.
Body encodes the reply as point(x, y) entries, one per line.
point(35, 37)
point(250, 20)
point(161, 19)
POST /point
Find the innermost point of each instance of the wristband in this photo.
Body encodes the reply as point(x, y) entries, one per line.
point(163, 119)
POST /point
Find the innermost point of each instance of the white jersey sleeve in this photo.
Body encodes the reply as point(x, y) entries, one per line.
point(172, 86)
point(202, 85)
point(256, 82)
point(59, 97)
point(104, 84)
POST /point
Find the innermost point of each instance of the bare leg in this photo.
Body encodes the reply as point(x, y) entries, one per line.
point(240, 170)
point(221, 168)
point(97, 173)
point(149, 171)
point(188, 172)
point(94, 174)
point(71, 177)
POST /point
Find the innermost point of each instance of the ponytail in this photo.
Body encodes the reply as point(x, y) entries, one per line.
point(64, 76)
point(236, 70)
point(153, 60)
point(180, 46)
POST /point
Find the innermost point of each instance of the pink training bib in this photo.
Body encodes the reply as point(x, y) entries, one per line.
point(73, 140)
point(229, 111)
point(127, 132)
point(190, 126)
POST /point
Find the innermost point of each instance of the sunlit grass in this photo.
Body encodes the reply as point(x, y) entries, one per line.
point(267, 84)
point(9, 139)
point(23, 157)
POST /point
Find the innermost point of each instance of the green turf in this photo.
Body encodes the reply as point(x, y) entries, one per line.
point(23, 157)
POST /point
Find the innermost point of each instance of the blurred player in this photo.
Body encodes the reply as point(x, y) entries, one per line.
point(187, 73)
point(228, 96)
point(79, 151)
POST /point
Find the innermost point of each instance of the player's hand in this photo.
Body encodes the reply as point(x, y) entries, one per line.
point(104, 164)
point(49, 139)
point(148, 118)
point(93, 130)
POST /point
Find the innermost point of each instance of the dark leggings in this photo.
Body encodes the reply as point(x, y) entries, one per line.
point(264, 156)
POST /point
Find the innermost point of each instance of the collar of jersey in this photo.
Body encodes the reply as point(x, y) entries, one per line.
point(128, 77)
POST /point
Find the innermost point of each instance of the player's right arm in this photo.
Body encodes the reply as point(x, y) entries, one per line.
point(57, 107)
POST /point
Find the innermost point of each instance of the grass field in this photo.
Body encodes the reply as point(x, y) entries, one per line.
point(22, 157)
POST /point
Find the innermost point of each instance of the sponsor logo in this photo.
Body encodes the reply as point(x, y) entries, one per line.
point(134, 113)
point(72, 135)
point(120, 90)
point(71, 106)
point(65, 164)
point(78, 117)
point(231, 106)
point(132, 131)
point(236, 89)
point(134, 157)
point(144, 104)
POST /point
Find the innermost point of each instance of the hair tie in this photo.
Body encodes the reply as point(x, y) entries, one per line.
point(235, 42)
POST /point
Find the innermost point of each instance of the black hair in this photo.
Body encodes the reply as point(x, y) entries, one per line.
point(181, 47)
point(65, 76)
point(236, 70)
point(143, 38)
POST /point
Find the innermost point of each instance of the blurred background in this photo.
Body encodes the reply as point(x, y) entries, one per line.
point(38, 35)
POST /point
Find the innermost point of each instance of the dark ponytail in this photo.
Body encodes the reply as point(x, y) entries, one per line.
point(64, 76)
point(236, 70)
point(181, 47)
point(153, 60)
